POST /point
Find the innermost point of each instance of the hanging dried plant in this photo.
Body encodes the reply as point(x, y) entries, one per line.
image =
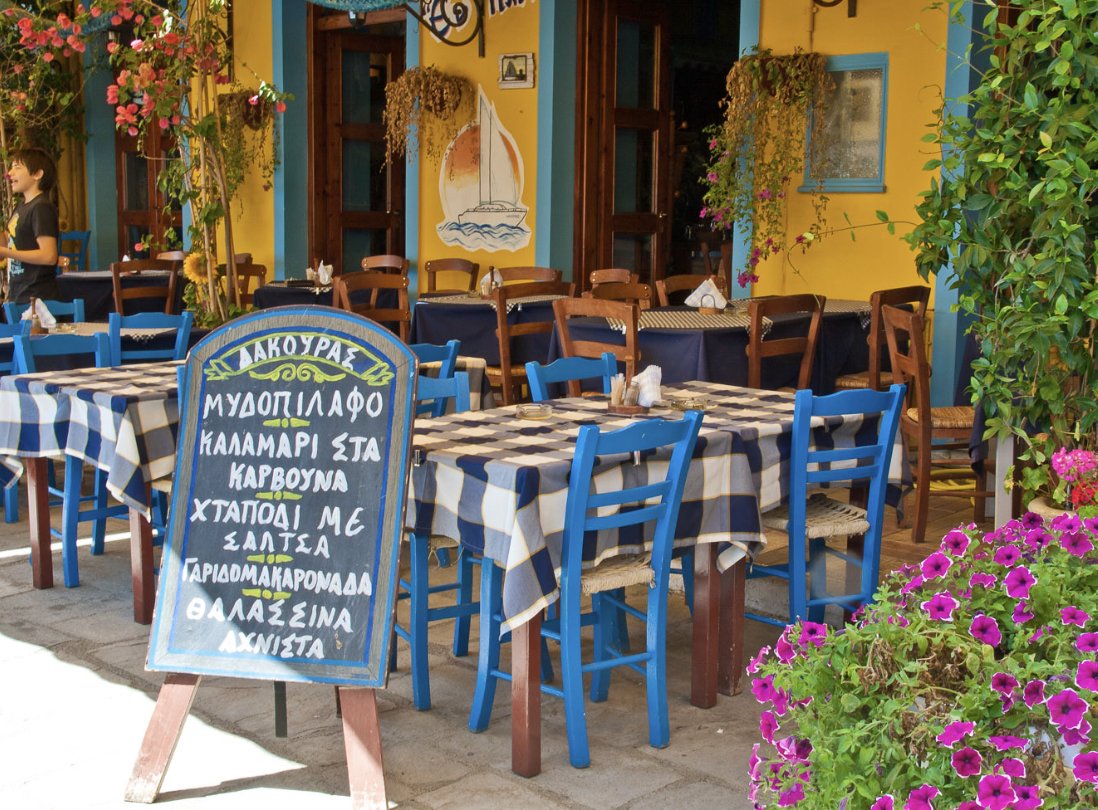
point(424, 109)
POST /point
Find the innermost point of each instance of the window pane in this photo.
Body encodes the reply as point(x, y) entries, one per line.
point(852, 124)
point(636, 77)
point(136, 171)
point(364, 78)
point(359, 243)
point(634, 252)
point(634, 151)
point(363, 176)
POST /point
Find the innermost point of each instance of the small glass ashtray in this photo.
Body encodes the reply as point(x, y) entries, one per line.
point(687, 403)
point(534, 411)
point(63, 329)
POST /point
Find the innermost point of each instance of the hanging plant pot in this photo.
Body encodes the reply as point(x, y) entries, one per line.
point(247, 106)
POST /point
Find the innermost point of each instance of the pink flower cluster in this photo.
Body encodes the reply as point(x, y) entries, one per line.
point(1011, 604)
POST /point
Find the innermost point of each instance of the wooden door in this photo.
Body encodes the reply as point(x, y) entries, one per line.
point(145, 214)
point(624, 158)
point(359, 210)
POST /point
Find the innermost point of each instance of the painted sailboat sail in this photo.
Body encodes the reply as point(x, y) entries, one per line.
point(499, 187)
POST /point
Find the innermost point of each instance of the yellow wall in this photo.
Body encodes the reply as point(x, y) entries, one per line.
point(836, 266)
point(514, 30)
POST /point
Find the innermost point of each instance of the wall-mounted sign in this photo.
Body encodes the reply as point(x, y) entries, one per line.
point(516, 70)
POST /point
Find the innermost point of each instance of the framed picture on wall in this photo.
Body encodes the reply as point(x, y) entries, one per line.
point(516, 70)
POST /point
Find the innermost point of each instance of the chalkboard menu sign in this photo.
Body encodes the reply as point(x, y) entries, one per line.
point(288, 501)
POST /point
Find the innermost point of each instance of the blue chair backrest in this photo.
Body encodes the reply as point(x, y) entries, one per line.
point(181, 323)
point(570, 370)
point(438, 391)
point(581, 512)
point(11, 330)
point(78, 259)
point(29, 349)
point(447, 356)
point(73, 309)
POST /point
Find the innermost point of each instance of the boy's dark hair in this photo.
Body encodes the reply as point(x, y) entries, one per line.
point(36, 161)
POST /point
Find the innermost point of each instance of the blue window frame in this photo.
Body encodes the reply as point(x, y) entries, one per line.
point(854, 129)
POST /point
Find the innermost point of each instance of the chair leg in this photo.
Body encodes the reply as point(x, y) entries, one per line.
point(99, 525)
point(688, 578)
point(11, 504)
point(70, 520)
point(607, 616)
point(417, 622)
point(491, 599)
point(571, 675)
point(817, 577)
point(979, 509)
point(659, 727)
point(798, 579)
point(465, 565)
point(922, 493)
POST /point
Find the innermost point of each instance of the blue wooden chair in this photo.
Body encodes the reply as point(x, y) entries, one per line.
point(581, 516)
point(570, 370)
point(27, 351)
point(11, 494)
point(78, 258)
point(417, 588)
point(73, 310)
point(812, 518)
point(149, 320)
point(446, 355)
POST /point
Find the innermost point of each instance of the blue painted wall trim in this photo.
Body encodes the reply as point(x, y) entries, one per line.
point(556, 153)
point(948, 338)
point(750, 22)
point(291, 179)
point(102, 198)
point(411, 173)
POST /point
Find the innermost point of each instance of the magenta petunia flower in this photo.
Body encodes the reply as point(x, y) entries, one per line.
point(984, 628)
point(1013, 767)
point(754, 664)
point(966, 762)
point(1006, 742)
point(1007, 555)
point(768, 724)
point(1039, 633)
point(955, 732)
point(1066, 709)
point(936, 565)
point(1031, 520)
point(956, 543)
point(1073, 615)
point(1034, 693)
point(886, 802)
point(940, 607)
point(763, 689)
point(1092, 525)
point(1077, 736)
point(1004, 682)
point(1086, 675)
point(983, 579)
point(968, 806)
point(1022, 613)
point(921, 797)
point(1067, 522)
point(1037, 539)
point(1029, 797)
point(781, 701)
point(912, 584)
point(1019, 582)
point(995, 792)
point(792, 796)
point(813, 633)
point(1086, 767)
point(1087, 642)
point(1076, 543)
point(784, 650)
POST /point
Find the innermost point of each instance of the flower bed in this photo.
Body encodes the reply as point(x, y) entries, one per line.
point(971, 683)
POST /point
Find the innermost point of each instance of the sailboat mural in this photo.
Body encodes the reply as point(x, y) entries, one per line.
point(480, 185)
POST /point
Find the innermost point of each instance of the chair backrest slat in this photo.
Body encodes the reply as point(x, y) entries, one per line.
point(431, 269)
point(916, 295)
point(345, 287)
point(181, 323)
point(511, 275)
point(446, 356)
point(29, 349)
point(73, 310)
point(627, 351)
point(758, 348)
point(433, 392)
point(505, 330)
point(633, 293)
point(570, 370)
point(133, 269)
point(907, 353)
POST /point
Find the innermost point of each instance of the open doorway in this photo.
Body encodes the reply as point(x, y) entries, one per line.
point(651, 78)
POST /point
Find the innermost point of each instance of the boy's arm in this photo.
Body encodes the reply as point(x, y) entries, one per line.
point(45, 253)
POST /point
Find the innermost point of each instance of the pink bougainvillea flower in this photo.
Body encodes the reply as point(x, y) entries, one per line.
point(1019, 582)
point(984, 628)
point(956, 543)
point(1073, 615)
point(966, 762)
point(921, 797)
point(1076, 543)
point(1022, 613)
point(1087, 642)
point(1006, 742)
point(995, 792)
point(886, 802)
point(982, 579)
point(1004, 682)
point(1034, 693)
point(768, 724)
point(1086, 767)
point(1007, 555)
point(940, 607)
point(1013, 767)
point(1086, 675)
point(813, 633)
point(1066, 709)
point(936, 565)
point(1029, 797)
point(955, 732)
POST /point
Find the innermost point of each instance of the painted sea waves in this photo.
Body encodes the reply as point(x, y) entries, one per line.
point(475, 236)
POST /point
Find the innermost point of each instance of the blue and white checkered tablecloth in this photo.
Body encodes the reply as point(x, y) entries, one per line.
point(499, 483)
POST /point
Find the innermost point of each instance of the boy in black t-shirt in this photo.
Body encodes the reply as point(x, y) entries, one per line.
point(31, 247)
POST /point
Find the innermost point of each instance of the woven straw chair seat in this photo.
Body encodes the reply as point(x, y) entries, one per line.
point(618, 572)
point(496, 371)
point(953, 416)
point(853, 381)
point(823, 518)
point(436, 541)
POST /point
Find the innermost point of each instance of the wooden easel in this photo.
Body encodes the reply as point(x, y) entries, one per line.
point(361, 740)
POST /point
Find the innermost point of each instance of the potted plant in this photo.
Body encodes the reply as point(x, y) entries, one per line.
point(1075, 485)
point(759, 148)
point(1013, 221)
point(424, 108)
point(971, 682)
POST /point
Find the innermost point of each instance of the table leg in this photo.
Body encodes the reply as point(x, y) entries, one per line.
point(141, 567)
point(730, 664)
point(526, 698)
point(39, 510)
point(703, 690)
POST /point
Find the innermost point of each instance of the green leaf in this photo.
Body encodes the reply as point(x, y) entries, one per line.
point(882, 215)
point(1046, 139)
point(1061, 304)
